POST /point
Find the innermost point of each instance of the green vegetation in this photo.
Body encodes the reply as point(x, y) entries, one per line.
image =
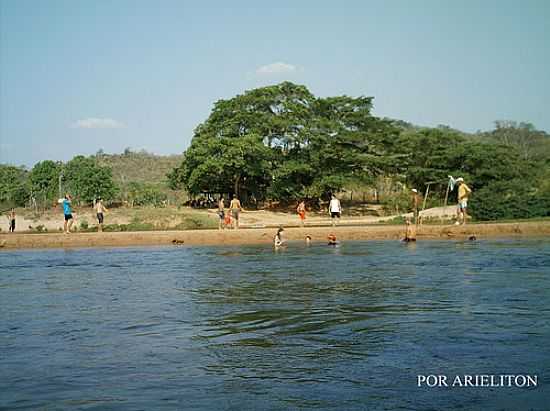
point(141, 194)
point(14, 185)
point(45, 183)
point(137, 179)
point(281, 143)
point(87, 180)
point(140, 167)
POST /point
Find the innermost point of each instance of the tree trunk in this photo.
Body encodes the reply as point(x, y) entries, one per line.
point(236, 186)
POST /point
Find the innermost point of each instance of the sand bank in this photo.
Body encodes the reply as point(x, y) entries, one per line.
point(265, 236)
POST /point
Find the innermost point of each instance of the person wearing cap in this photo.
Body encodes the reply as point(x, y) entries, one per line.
point(463, 194)
point(415, 200)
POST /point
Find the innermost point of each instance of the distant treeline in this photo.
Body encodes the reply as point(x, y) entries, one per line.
point(133, 178)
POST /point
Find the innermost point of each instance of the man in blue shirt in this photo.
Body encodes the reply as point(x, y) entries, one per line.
point(68, 214)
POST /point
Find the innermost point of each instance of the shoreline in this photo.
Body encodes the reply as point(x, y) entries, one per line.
point(265, 235)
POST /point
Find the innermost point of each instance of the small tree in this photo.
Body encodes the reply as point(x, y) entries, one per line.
point(14, 185)
point(143, 194)
point(45, 181)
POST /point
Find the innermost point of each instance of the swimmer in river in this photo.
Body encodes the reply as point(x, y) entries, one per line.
point(332, 239)
point(278, 240)
point(410, 232)
point(308, 239)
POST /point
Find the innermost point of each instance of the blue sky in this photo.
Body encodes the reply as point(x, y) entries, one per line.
point(77, 76)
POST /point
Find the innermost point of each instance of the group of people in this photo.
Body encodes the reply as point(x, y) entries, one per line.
point(231, 218)
point(99, 208)
point(279, 240)
point(334, 209)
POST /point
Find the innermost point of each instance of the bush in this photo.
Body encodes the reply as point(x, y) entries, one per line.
point(143, 194)
point(397, 203)
point(133, 226)
point(509, 200)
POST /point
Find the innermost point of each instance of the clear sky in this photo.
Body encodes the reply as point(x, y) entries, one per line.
point(77, 76)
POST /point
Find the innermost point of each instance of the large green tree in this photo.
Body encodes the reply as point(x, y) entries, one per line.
point(282, 142)
point(44, 181)
point(236, 149)
point(86, 180)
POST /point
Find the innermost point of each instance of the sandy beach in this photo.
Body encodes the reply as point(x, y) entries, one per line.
point(265, 235)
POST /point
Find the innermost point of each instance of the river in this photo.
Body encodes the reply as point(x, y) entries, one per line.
point(237, 328)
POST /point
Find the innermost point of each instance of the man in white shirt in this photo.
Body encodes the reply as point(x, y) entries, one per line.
point(335, 209)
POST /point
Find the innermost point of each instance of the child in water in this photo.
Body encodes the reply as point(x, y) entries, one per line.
point(278, 239)
point(410, 232)
point(332, 239)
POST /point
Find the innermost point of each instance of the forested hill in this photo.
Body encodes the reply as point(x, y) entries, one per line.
point(142, 167)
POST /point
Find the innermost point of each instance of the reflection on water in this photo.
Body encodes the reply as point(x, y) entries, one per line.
point(250, 328)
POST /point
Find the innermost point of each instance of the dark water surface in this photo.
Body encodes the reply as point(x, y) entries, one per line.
point(240, 328)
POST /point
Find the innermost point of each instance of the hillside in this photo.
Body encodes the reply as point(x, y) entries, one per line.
point(142, 167)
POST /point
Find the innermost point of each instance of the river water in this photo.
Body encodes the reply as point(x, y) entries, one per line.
point(247, 327)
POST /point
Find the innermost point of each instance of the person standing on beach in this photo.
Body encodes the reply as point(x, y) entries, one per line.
point(100, 209)
point(301, 210)
point(67, 212)
point(236, 209)
point(11, 220)
point(463, 194)
point(415, 200)
point(335, 209)
point(221, 213)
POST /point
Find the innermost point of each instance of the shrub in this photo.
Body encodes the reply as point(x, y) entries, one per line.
point(84, 225)
point(509, 200)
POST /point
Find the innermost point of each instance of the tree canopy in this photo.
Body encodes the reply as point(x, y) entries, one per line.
point(44, 179)
point(87, 180)
point(280, 142)
point(14, 186)
point(283, 143)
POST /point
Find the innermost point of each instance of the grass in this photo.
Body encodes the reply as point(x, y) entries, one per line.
point(153, 219)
